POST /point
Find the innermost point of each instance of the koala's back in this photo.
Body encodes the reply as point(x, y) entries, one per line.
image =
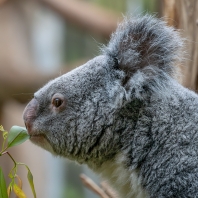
point(172, 162)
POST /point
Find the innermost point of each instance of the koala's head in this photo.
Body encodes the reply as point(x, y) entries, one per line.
point(77, 114)
point(71, 114)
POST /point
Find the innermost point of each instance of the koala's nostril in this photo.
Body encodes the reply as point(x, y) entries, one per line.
point(30, 113)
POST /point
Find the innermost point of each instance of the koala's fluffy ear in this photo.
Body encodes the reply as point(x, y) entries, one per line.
point(147, 47)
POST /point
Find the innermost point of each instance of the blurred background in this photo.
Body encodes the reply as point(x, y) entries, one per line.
point(42, 39)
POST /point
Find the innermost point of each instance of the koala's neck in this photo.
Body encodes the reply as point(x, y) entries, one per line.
point(126, 182)
point(122, 170)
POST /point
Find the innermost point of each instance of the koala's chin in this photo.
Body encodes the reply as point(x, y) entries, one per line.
point(40, 140)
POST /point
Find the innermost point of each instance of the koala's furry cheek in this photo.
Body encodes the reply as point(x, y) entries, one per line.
point(41, 141)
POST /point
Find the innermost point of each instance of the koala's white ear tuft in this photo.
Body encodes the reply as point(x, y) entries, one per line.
point(145, 41)
point(147, 50)
point(145, 82)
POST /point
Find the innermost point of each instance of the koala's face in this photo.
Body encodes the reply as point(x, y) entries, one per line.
point(70, 115)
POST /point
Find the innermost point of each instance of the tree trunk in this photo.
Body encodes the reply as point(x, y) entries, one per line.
point(183, 14)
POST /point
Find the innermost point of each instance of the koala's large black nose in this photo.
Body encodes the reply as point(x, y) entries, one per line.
point(30, 114)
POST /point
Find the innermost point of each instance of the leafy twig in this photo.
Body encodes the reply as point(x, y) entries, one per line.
point(17, 135)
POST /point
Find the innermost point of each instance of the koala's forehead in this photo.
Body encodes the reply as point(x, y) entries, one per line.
point(86, 76)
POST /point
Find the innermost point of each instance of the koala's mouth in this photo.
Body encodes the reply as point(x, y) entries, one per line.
point(38, 138)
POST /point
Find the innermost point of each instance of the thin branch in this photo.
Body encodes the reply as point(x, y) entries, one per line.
point(89, 183)
point(6, 152)
point(108, 190)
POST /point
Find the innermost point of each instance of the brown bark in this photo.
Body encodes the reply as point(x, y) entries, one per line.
point(2, 2)
point(183, 14)
point(86, 15)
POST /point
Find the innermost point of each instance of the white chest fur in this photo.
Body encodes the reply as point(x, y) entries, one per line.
point(125, 182)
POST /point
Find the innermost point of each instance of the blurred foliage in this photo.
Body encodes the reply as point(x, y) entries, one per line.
point(80, 45)
point(151, 6)
point(116, 5)
point(72, 192)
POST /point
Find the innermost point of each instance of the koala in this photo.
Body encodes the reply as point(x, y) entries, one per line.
point(124, 114)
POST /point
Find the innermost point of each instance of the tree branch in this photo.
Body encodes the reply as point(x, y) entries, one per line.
point(93, 186)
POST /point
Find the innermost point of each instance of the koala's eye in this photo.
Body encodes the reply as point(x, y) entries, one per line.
point(57, 102)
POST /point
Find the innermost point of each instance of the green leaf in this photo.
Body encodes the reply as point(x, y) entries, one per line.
point(30, 179)
point(17, 135)
point(3, 189)
point(18, 191)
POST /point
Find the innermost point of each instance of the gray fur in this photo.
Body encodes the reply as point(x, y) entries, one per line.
point(125, 115)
